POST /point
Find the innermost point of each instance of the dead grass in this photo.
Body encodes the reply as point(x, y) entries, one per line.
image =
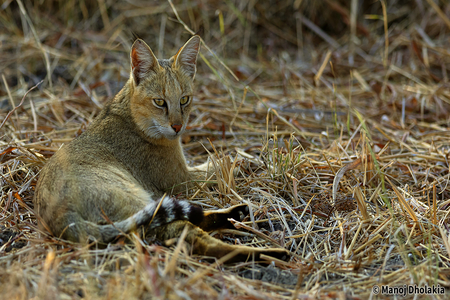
point(341, 125)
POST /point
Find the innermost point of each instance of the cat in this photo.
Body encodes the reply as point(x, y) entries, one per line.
point(112, 179)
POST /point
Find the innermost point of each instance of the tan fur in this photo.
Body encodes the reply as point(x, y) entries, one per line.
point(110, 180)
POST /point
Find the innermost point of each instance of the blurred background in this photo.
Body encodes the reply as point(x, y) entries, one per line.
point(86, 43)
point(310, 62)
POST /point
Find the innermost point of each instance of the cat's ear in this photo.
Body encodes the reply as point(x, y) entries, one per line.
point(143, 61)
point(186, 57)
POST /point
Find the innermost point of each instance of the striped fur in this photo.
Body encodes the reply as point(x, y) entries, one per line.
point(152, 217)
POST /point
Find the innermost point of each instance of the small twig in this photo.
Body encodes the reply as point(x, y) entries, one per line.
point(240, 225)
point(316, 29)
point(16, 126)
point(386, 33)
point(204, 44)
point(440, 13)
point(20, 104)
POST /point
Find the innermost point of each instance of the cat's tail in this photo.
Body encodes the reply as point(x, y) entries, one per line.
point(153, 215)
point(157, 214)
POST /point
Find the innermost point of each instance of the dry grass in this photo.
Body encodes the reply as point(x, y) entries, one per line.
point(341, 123)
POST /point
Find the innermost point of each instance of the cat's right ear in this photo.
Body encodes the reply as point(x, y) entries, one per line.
point(143, 61)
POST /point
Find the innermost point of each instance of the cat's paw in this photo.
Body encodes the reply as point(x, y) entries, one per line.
point(218, 219)
point(237, 212)
point(237, 165)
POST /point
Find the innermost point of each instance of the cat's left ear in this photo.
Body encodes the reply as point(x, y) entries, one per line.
point(186, 57)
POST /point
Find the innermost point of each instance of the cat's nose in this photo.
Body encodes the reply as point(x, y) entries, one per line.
point(177, 127)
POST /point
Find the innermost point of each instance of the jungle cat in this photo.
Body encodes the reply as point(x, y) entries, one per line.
point(111, 179)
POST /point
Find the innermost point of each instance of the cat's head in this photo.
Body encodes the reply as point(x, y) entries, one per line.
point(162, 90)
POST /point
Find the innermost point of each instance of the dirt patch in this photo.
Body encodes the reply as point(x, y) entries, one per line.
point(271, 274)
point(10, 239)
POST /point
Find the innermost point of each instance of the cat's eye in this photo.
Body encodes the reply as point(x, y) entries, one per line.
point(184, 100)
point(159, 102)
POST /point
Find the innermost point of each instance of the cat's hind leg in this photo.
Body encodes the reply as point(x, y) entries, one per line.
point(203, 244)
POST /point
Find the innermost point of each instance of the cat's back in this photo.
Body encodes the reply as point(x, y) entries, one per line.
point(93, 152)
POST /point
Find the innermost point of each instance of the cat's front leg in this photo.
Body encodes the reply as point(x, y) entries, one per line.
point(203, 173)
point(218, 219)
point(201, 243)
point(225, 167)
point(205, 168)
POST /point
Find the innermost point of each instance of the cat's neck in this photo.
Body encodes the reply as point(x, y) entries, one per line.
point(119, 107)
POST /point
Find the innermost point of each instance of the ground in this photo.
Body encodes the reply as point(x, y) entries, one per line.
point(338, 113)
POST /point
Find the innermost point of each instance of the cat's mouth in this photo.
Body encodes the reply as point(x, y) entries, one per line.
point(173, 136)
point(157, 131)
point(169, 133)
